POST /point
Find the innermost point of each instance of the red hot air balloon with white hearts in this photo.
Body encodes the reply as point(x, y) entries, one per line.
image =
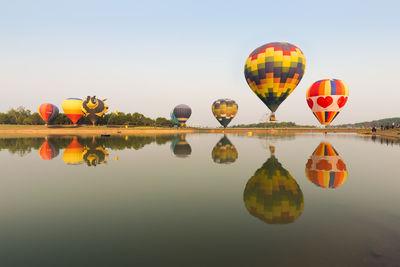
point(326, 98)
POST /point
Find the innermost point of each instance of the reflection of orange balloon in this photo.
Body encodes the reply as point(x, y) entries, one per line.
point(325, 168)
point(48, 151)
point(73, 154)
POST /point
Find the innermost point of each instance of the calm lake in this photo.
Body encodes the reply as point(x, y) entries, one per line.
point(200, 200)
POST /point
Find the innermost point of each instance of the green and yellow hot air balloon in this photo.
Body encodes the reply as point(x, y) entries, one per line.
point(224, 110)
point(273, 71)
point(272, 194)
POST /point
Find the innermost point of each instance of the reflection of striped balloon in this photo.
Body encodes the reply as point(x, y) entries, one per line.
point(224, 151)
point(48, 150)
point(72, 107)
point(48, 112)
point(273, 195)
point(224, 110)
point(326, 99)
point(73, 154)
point(325, 167)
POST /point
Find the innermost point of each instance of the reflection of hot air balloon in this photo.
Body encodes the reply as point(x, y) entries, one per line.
point(181, 147)
point(73, 154)
point(326, 98)
point(95, 154)
point(73, 109)
point(224, 110)
point(273, 71)
point(173, 118)
point(94, 108)
point(182, 113)
point(224, 151)
point(48, 150)
point(48, 112)
point(325, 167)
point(272, 194)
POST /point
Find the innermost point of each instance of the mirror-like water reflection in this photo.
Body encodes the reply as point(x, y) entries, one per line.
point(161, 200)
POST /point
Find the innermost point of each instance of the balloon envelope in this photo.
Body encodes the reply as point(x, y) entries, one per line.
point(325, 168)
point(224, 110)
point(272, 194)
point(326, 99)
point(273, 71)
point(173, 118)
point(48, 112)
point(94, 108)
point(224, 152)
point(182, 113)
point(72, 107)
point(48, 150)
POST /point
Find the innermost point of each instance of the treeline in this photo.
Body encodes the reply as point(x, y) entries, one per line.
point(270, 125)
point(369, 124)
point(24, 116)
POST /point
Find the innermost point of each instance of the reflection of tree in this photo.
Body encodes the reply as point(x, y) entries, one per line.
point(224, 151)
point(180, 146)
point(272, 194)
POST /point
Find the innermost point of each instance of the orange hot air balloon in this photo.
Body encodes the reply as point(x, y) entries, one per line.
point(73, 154)
point(73, 109)
point(325, 168)
point(48, 150)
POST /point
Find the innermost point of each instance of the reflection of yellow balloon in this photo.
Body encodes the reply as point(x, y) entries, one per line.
point(272, 194)
point(73, 153)
point(325, 168)
point(224, 151)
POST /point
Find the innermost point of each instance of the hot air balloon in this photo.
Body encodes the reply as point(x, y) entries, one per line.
point(272, 194)
point(95, 153)
point(273, 71)
point(94, 108)
point(326, 99)
point(182, 113)
point(48, 112)
point(173, 118)
point(48, 150)
point(73, 109)
point(181, 147)
point(73, 154)
point(224, 110)
point(224, 152)
point(325, 168)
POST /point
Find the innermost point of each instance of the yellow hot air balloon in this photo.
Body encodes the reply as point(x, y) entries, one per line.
point(73, 154)
point(72, 107)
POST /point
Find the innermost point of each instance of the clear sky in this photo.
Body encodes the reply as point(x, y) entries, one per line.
point(149, 56)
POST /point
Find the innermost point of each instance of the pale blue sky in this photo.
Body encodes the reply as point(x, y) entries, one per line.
point(149, 56)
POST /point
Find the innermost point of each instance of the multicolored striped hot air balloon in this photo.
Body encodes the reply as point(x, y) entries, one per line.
point(73, 154)
point(94, 108)
point(224, 110)
point(224, 152)
point(325, 168)
point(73, 109)
point(273, 71)
point(48, 150)
point(48, 112)
point(326, 99)
point(272, 194)
point(182, 113)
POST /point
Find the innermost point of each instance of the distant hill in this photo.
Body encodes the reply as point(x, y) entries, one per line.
point(369, 124)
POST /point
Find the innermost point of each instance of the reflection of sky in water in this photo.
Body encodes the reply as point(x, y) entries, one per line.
point(153, 208)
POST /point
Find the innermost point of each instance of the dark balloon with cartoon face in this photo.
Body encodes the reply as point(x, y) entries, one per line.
point(94, 108)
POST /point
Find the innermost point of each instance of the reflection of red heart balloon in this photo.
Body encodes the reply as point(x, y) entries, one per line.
point(324, 165)
point(342, 101)
point(324, 101)
point(340, 165)
point(310, 102)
